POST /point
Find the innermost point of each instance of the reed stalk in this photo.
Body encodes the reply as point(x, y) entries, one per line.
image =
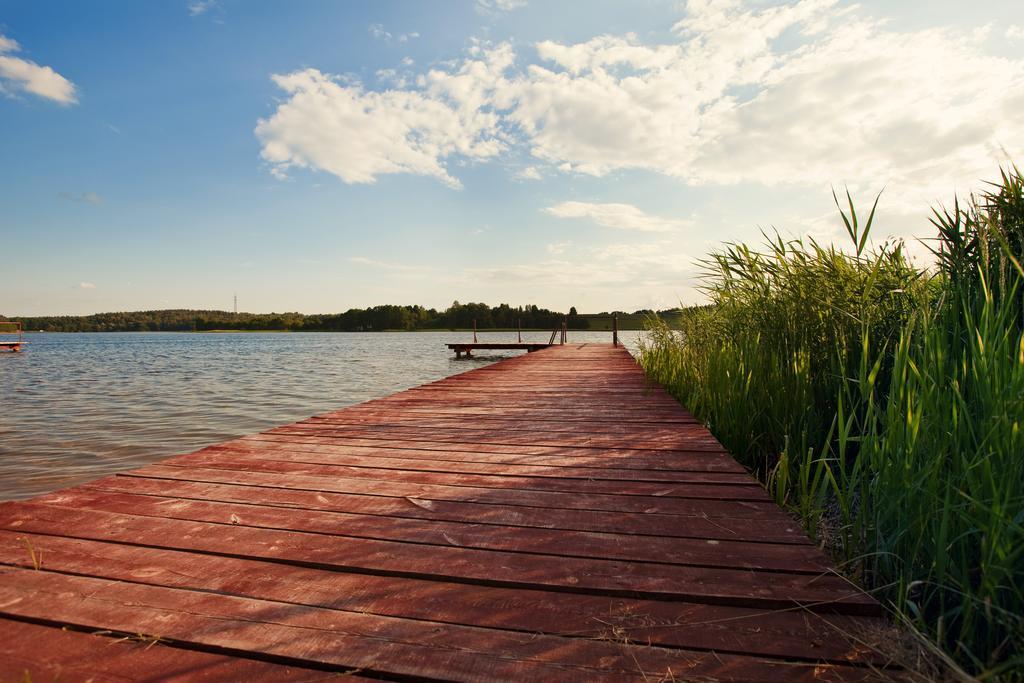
point(883, 404)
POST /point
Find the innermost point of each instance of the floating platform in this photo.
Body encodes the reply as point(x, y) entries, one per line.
point(468, 347)
point(551, 517)
point(11, 327)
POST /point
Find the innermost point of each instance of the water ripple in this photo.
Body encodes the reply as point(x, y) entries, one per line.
point(80, 406)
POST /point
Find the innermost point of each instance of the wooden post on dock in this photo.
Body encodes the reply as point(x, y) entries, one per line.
point(615, 330)
point(519, 326)
point(474, 330)
point(565, 327)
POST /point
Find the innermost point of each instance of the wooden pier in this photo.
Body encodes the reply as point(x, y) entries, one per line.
point(11, 327)
point(468, 347)
point(546, 518)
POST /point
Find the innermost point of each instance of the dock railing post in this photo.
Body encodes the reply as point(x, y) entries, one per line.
point(615, 330)
point(564, 329)
point(519, 326)
point(474, 330)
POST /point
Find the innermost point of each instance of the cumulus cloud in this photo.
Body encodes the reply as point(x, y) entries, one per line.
point(621, 216)
point(86, 285)
point(84, 198)
point(853, 101)
point(804, 93)
point(330, 124)
point(22, 75)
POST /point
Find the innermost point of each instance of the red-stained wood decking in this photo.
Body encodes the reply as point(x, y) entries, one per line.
point(549, 517)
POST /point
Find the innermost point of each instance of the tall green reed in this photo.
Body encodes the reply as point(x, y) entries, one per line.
point(884, 405)
point(783, 330)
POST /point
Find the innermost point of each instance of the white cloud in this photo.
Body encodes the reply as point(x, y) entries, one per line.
point(339, 127)
point(528, 173)
point(86, 285)
point(655, 275)
point(1015, 32)
point(398, 268)
point(621, 216)
point(651, 275)
point(494, 6)
point(200, 7)
point(378, 32)
point(21, 75)
point(392, 77)
point(656, 263)
point(85, 197)
point(807, 93)
point(853, 101)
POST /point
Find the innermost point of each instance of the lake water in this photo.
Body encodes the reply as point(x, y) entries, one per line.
point(76, 407)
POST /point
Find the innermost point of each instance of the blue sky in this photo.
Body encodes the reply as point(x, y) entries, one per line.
point(319, 156)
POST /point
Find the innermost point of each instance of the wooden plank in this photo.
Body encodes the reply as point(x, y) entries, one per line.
point(457, 428)
point(535, 402)
point(432, 410)
point(377, 645)
point(704, 459)
point(736, 509)
point(668, 442)
point(825, 593)
point(682, 438)
point(37, 653)
point(580, 467)
point(634, 410)
point(744, 490)
point(561, 543)
point(793, 634)
point(777, 528)
point(349, 421)
point(538, 396)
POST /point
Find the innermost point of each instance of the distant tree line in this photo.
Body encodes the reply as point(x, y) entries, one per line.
point(377, 318)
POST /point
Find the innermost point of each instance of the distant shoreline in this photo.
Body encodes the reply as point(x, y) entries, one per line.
point(435, 330)
point(457, 317)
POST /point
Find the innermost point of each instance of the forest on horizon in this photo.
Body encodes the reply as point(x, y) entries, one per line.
point(376, 318)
